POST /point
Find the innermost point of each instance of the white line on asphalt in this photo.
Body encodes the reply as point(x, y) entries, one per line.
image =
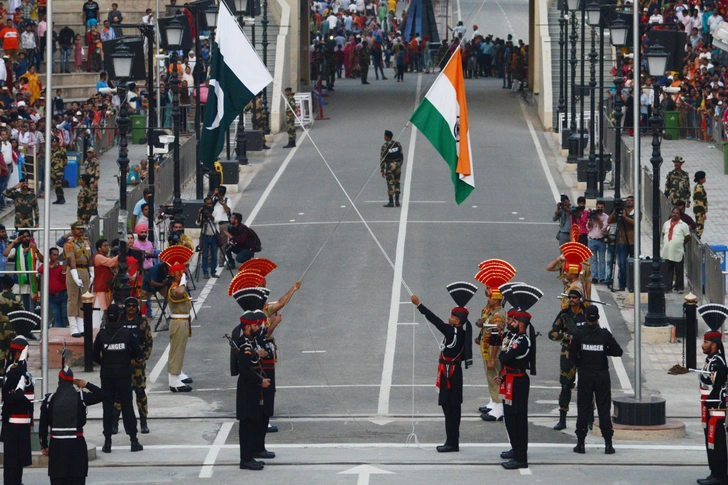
point(273, 182)
point(411, 202)
point(546, 401)
point(390, 346)
point(220, 440)
point(617, 362)
point(314, 223)
point(326, 386)
point(408, 323)
point(541, 156)
point(525, 471)
point(313, 351)
point(159, 366)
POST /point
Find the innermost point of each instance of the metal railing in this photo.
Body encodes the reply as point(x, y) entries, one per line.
point(694, 265)
point(714, 279)
point(626, 155)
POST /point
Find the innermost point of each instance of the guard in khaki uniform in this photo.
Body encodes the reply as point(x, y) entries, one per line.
point(493, 273)
point(180, 327)
point(93, 168)
point(79, 275)
point(59, 160)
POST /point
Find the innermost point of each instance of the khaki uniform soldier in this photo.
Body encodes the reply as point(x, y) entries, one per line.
point(179, 328)
point(700, 202)
point(391, 157)
point(492, 322)
point(677, 183)
point(86, 202)
point(27, 213)
point(259, 120)
point(290, 118)
point(9, 302)
point(93, 168)
point(139, 327)
point(365, 58)
point(79, 276)
point(59, 160)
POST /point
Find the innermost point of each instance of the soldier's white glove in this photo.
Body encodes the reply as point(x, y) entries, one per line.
point(91, 274)
point(76, 278)
point(183, 281)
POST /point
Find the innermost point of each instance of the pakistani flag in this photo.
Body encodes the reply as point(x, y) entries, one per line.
point(236, 76)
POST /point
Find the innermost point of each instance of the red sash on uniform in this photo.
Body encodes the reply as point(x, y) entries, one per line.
point(507, 384)
point(703, 410)
point(446, 368)
point(715, 416)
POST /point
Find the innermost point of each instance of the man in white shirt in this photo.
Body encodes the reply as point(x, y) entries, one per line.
point(675, 233)
point(332, 20)
point(714, 20)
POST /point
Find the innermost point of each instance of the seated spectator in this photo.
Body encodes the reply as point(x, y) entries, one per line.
point(133, 177)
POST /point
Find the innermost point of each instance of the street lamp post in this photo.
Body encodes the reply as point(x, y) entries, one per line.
point(265, 23)
point(618, 35)
point(656, 317)
point(592, 172)
point(241, 140)
point(174, 32)
point(562, 54)
point(573, 142)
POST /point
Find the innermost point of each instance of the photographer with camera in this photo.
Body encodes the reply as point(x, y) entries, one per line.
point(177, 236)
point(209, 235)
point(580, 218)
point(242, 240)
point(624, 218)
point(563, 216)
point(222, 212)
point(597, 226)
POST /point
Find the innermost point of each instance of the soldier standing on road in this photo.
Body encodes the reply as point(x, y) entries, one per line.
point(365, 58)
point(138, 327)
point(79, 276)
point(562, 330)
point(712, 400)
point(114, 349)
point(290, 117)
point(677, 183)
point(391, 158)
point(93, 168)
point(259, 120)
point(590, 347)
point(449, 372)
point(64, 412)
point(17, 412)
point(179, 328)
point(9, 302)
point(27, 213)
point(86, 201)
point(516, 358)
point(700, 202)
point(246, 364)
point(490, 341)
point(59, 160)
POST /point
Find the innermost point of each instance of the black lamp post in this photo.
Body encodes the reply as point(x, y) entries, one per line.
point(573, 142)
point(174, 32)
point(656, 317)
point(264, 21)
point(241, 140)
point(618, 35)
point(123, 59)
point(592, 172)
point(563, 22)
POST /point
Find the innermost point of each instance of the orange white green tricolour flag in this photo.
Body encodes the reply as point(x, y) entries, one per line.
point(442, 117)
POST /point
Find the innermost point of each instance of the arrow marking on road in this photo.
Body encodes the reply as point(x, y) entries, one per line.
point(364, 471)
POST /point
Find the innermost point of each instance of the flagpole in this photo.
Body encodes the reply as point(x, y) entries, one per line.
point(45, 288)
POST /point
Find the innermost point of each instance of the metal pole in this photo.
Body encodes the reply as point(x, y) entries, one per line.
point(573, 142)
point(45, 288)
point(199, 189)
point(656, 316)
point(149, 32)
point(241, 141)
point(691, 327)
point(601, 104)
point(637, 215)
point(582, 69)
point(159, 81)
point(123, 161)
point(265, 22)
point(174, 82)
point(87, 306)
point(562, 42)
point(618, 83)
point(592, 192)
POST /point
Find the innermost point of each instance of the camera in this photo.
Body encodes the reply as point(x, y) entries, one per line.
point(174, 238)
point(593, 215)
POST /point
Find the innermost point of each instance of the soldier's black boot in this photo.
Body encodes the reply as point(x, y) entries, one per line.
point(135, 445)
point(391, 202)
point(579, 448)
point(608, 448)
point(143, 424)
point(115, 421)
point(291, 144)
point(396, 200)
point(107, 446)
point(562, 421)
point(60, 201)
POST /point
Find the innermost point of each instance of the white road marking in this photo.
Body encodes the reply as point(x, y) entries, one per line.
point(154, 375)
point(408, 323)
point(363, 472)
point(391, 344)
point(313, 351)
point(319, 223)
point(525, 471)
point(220, 439)
point(327, 386)
point(617, 362)
point(541, 156)
point(547, 401)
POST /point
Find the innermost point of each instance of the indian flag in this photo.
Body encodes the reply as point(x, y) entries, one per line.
point(442, 117)
point(237, 74)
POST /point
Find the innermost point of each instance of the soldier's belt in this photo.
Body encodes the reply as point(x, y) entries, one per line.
point(66, 433)
point(717, 413)
point(23, 419)
point(514, 371)
point(81, 266)
point(179, 316)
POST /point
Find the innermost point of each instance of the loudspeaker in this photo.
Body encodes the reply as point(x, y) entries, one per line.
point(136, 46)
point(645, 273)
point(230, 172)
point(255, 140)
point(190, 209)
point(674, 43)
point(582, 164)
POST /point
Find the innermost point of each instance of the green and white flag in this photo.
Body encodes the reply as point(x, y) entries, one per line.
point(237, 74)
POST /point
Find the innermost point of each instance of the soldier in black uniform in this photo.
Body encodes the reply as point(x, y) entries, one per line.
point(245, 363)
point(16, 424)
point(712, 389)
point(449, 372)
point(114, 348)
point(391, 158)
point(64, 412)
point(518, 355)
point(590, 347)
